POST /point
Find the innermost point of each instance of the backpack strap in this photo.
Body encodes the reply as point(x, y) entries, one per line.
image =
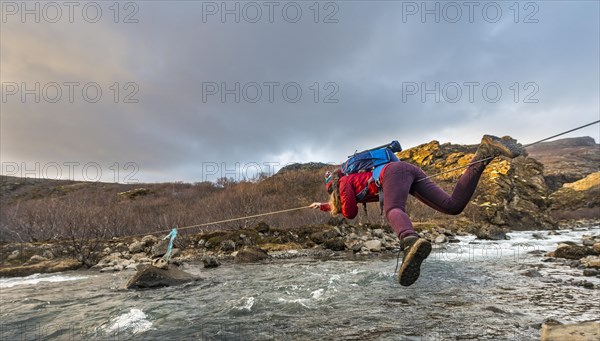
point(380, 200)
point(375, 178)
point(363, 194)
point(377, 173)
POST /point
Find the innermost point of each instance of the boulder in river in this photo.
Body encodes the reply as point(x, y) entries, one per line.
point(249, 254)
point(373, 245)
point(335, 244)
point(210, 262)
point(149, 276)
point(573, 251)
point(491, 232)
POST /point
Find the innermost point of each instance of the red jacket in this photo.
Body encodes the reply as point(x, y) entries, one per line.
point(350, 186)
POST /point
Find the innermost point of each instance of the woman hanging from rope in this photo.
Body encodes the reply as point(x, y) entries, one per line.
point(398, 179)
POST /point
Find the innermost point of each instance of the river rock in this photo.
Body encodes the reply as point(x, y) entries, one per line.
point(136, 247)
point(596, 248)
point(377, 233)
point(149, 276)
point(588, 240)
point(491, 233)
point(250, 254)
point(262, 227)
point(160, 248)
point(227, 245)
point(36, 259)
point(356, 247)
point(149, 240)
point(13, 255)
point(440, 239)
point(572, 251)
point(320, 237)
point(111, 259)
point(373, 245)
point(531, 273)
point(114, 268)
point(591, 262)
point(210, 262)
point(591, 272)
point(335, 244)
point(48, 254)
point(584, 331)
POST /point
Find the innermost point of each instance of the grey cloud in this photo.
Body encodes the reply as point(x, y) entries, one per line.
point(368, 54)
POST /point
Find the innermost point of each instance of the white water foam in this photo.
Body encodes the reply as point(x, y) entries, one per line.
point(517, 247)
point(317, 294)
point(135, 321)
point(37, 278)
point(246, 304)
point(300, 301)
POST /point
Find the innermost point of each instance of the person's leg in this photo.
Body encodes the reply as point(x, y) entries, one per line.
point(433, 196)
point(397, 181)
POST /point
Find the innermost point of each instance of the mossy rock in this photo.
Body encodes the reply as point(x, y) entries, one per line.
point(321, 236)
point(280, 247)
point(250, 255)
point(573, 252)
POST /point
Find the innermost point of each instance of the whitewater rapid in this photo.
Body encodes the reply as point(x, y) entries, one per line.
point(473, 289)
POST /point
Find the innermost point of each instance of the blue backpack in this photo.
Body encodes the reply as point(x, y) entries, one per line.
point(372, 160)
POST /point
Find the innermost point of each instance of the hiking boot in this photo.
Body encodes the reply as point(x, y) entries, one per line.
point(415, 251)
point(492, 146)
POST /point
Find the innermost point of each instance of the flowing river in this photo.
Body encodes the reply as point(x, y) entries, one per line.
point(472, 290)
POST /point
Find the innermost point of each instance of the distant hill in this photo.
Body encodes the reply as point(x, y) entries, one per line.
point(516, 194)
point(567, 160)
point(311, 166)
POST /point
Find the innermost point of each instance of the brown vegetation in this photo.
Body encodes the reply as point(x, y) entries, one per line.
point(37, 210)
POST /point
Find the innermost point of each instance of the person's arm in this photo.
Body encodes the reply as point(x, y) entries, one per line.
point(321, 205)
point(348, 197)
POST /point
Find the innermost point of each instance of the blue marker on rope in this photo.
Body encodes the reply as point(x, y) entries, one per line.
point(172, 235)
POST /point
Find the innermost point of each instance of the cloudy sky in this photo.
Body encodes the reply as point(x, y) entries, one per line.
point(192, 90)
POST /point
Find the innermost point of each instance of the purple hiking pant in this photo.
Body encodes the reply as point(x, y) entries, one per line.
point(399, 179)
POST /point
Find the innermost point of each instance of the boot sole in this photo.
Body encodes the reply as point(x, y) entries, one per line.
point(411, 264)
point(508, 148)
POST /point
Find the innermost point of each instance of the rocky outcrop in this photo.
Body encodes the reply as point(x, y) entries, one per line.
point(579, 199)
point(567, 160)
point(149, 276)
point(134, 193)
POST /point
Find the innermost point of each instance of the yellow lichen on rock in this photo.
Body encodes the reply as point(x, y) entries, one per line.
point(587, 183)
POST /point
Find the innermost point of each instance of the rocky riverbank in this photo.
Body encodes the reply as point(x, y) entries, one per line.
point(337, 240)
point(584, 256)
